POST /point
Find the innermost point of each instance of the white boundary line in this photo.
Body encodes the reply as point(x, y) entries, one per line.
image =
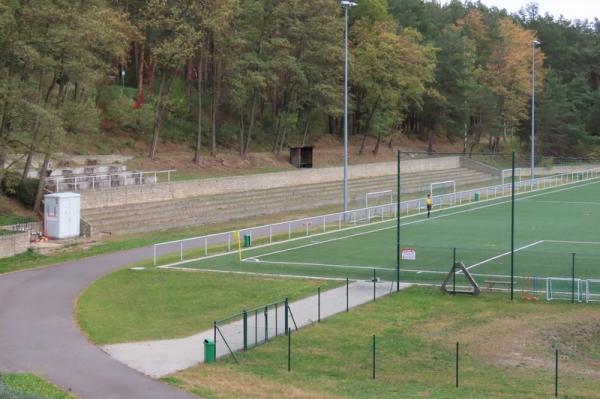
point(270, 262)
point(524, 196)
point(504, 254)
point(574, 242)
point(566, 202)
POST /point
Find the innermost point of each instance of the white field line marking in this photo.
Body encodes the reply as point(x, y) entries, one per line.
point(414, 222)
point(574, 242)
point(270, 262)
point(187, 269)
point(565, 202)
point(546, 191)
point(504, 254)
point(191, 270)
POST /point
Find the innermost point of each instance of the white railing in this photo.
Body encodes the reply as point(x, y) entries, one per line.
point(224, 242)
point(99, 181)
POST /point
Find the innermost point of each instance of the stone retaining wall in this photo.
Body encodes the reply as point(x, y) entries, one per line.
point(13, 244)
point(116, 196)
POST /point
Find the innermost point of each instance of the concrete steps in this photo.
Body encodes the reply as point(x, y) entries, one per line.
point(162, 215)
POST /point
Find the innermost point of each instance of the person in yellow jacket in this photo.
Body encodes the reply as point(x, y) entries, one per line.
point(429, 204)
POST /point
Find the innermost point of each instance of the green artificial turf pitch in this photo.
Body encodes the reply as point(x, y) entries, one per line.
point(550, 225)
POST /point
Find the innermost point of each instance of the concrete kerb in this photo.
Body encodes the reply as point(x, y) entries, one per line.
point(160, 358)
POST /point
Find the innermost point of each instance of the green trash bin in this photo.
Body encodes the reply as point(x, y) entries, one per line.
point(579, 176)
point(477, 197)
point(247, 240)
point(210, 351)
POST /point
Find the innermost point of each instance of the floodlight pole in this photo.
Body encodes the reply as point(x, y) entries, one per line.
point(533, 44)
point(346, 4)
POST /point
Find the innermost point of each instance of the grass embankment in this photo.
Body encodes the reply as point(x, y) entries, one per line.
point(507, 351)
point(29, 386)
point(157, 304)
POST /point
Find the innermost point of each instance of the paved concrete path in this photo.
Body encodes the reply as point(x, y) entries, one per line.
point(39, 334)
point(159, 358)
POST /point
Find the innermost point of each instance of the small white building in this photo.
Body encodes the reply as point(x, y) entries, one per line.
point(62, 213)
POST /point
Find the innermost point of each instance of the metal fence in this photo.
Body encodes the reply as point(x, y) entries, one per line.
point(252, 327)
point(100, 181)
point(219, 243)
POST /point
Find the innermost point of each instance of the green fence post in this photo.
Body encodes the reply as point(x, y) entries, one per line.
point(245, 329)
point(457, 364)
point(215, 338)
point(556, 375)
point(289, 334)
point(266, 323)
point(453, 271)
point(373, 356)
point(398, 225)
point(573, 279)
point(512, 230)
point(374, 287)
point(318, 304)
point(347, 299)
point(286, 317)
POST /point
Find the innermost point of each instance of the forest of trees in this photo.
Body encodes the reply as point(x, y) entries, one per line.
point(240, 73)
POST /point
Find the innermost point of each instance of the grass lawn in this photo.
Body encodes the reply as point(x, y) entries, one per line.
point(507, 351)
point(29, 386)
point(155, 304)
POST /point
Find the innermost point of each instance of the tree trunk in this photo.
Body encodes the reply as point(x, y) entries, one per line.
point(376, 149)
point(430, 142)
point(251, 126)
point(215, 103)
point(140, 72)
point(199, 134)
point(305, 132)
point(363, 143)
point(157, 118)
point(42, 178)
point(241, 131)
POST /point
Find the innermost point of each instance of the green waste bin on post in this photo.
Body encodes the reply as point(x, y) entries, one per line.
point(579, 176)
point(210, 351)
point(477, 197)
point(247, 240)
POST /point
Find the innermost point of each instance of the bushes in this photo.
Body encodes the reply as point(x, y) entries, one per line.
point(22, 189)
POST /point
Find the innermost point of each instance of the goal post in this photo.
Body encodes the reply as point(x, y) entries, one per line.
point(443, 193)
point(565, 289)
point(592, 290)
point(379, 202)
point(508, 173)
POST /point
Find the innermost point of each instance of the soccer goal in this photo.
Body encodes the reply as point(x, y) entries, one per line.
point(443, 193)
point(507, 174)
point(592, 291)
point(379, 203)
point(564, 289)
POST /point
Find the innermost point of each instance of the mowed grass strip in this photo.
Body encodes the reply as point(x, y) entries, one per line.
point(25, 385)
point(153, 304)
point(507, 351)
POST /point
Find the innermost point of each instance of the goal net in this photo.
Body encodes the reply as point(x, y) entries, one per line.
point(560, 288)
point(443, 193)
point(507, 173)
point(379, 203)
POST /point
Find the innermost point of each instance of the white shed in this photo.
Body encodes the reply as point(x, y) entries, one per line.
point(62, 212)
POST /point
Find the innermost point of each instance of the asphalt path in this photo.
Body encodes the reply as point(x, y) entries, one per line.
point(39, 333)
